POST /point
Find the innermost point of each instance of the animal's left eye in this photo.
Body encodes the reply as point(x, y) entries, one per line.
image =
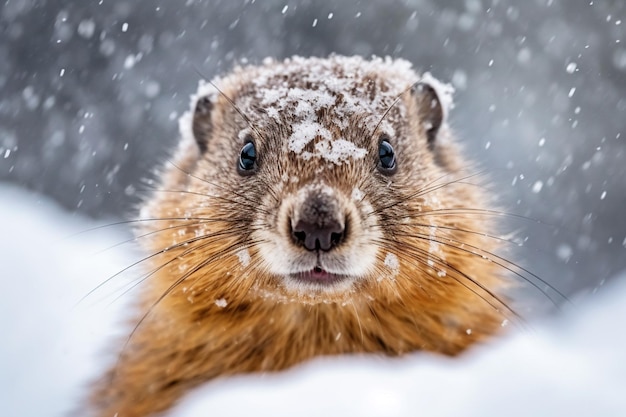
point(386, 157)
point(247, 159)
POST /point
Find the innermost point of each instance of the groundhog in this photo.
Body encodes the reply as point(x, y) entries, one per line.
point(315, 206)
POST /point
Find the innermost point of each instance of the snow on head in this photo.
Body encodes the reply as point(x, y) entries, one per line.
point(332, 150)
point(323, 101)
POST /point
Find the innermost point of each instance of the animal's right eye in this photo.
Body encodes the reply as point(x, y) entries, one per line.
point(247, 159)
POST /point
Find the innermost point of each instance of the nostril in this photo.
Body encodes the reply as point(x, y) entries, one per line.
point(300, 237)
point(318, 236)
point(336, 238)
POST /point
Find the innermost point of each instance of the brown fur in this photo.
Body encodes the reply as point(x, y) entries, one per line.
point(185, 338)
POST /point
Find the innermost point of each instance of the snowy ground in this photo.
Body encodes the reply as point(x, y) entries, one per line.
point(571, 365)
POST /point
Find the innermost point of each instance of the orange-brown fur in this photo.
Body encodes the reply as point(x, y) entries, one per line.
point(185, 338)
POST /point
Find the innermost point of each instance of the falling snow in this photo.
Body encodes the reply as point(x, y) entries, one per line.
point(564, 252)
point(133, 64)
point(571, 67)
point(86, 28)
point(546, 95)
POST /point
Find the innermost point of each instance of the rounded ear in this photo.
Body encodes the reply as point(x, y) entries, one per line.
point(430, 110)
point(202, 125)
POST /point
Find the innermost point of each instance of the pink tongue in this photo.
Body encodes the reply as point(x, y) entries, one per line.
point(319, 273)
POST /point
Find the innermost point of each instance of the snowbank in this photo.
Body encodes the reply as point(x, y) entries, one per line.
point(572, 365)
point(51, 340)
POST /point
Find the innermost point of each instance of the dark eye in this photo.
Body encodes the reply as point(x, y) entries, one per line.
point(387, 157)
point(247, 159)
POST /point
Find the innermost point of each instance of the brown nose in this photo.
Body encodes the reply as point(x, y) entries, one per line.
point(314, 236)
point(318, 223)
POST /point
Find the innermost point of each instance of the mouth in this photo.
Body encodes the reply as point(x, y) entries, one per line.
point(319, 276)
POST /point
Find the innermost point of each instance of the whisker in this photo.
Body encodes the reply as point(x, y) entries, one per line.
point(422, 191)
point(422, 254)
point(165, 294)
point(450, 228)
point(174, 285)
point(505, 264)
point(247, 245)
point(391, 106)
point(358, 320)
point(219, 234)
point(244, 198)
point(169, 228)
point(187, 251)
point(478, 211)
point(175, 258)
point(142, 220)
point(237, 109)
point(231, 102)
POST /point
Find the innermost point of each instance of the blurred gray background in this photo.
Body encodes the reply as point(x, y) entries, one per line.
point(90, 93)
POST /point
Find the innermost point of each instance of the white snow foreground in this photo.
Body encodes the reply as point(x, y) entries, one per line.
point(573, 365)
